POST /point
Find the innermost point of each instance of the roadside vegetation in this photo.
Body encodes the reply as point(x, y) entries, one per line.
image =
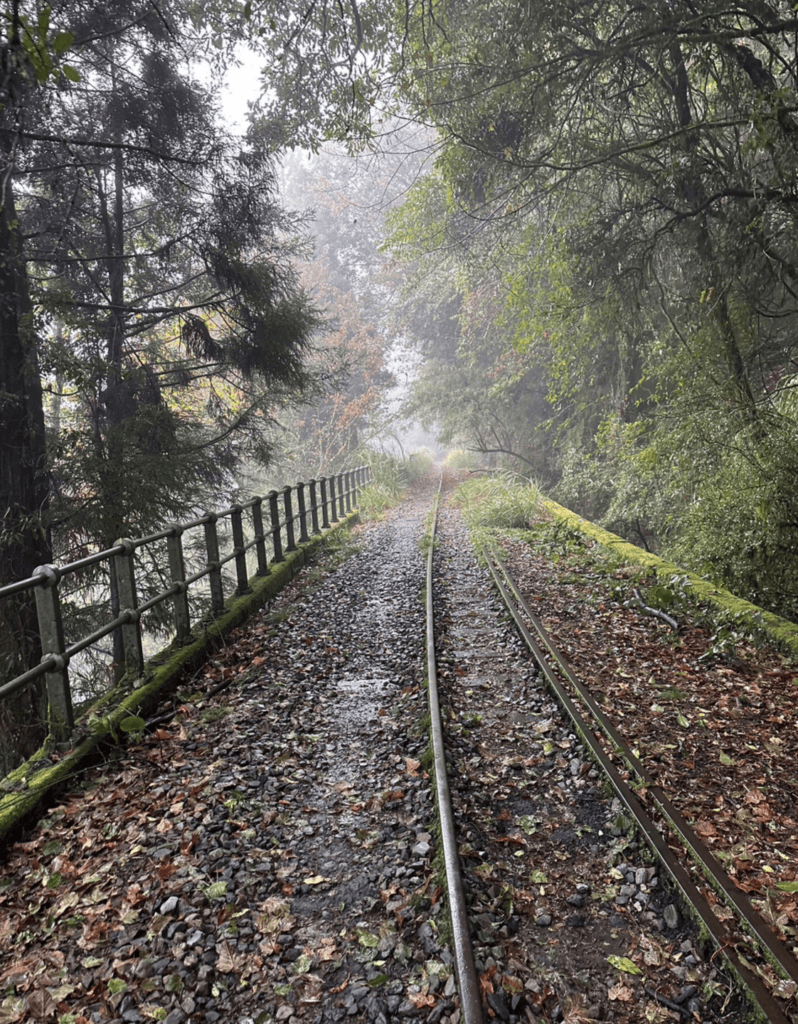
point(498, 501)
point(393, 476)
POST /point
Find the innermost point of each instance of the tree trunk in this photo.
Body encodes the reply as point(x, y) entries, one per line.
point(23, 476)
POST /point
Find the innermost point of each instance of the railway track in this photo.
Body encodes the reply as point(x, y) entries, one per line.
point(269, 853)
point(508, 901)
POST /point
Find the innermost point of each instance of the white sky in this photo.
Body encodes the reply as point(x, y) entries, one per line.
point(241, 85)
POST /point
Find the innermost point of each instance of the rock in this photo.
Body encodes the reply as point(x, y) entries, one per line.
point(498, 1004)
point(670, 916)
point(169, 905)
point(407, 1009)
point(543, 920)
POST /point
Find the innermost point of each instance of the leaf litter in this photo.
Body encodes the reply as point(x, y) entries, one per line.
point(227, 865)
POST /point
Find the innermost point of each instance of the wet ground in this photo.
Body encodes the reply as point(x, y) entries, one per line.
point(270, 854)
point(266, 856)
point(573, 921)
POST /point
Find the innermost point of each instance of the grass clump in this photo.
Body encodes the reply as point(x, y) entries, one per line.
point(461, 458)
point(500, 501)
point(391, 478)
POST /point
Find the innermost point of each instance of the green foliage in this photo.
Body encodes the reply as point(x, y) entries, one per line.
point(639, 254)
point(392, 476)
point(460, 459)
point(739, 529)
point(41, 45)
point(500, 501)
point(418, 465)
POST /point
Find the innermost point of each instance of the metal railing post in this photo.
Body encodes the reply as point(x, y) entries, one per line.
point(303, 514)
point(289, 520)
point(60, 717)
point(274, 517)
point(260, 542)
point(125, 570)
point(341, 509)
point(239, 549)
point(314, 507)
point(325, 516)
point(333, 501)
point(177, 570)
point(348, 491)
point(214, 564)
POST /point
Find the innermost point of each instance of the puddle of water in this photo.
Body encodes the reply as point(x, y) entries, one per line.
point(366, 686)
point(352, 708)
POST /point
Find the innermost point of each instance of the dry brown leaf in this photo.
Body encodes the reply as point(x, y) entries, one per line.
point(226, 960)
point(621, 993)
point(486, 981)
point(326, 951)
point(40, 1005)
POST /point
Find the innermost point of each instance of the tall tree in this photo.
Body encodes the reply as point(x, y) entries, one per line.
point(26, 65)
point(146, 265)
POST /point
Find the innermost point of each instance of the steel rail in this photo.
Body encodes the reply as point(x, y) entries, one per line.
point(467, 980)
point(720, 934)
point(703, 856)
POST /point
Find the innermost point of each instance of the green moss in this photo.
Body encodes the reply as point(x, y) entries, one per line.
point(214, 714)
point(670, 693)
point(779, 631)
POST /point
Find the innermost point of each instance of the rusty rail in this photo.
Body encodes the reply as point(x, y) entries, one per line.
point(467, 979)
point(557, 672)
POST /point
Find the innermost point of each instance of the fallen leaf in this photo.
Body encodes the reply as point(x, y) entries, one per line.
point(225, 960)
point(623, 963)
point(326, 951)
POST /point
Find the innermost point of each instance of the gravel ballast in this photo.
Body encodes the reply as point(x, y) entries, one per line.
point(270, 854)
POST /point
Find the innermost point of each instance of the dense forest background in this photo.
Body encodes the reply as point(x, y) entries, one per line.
point(561, 235)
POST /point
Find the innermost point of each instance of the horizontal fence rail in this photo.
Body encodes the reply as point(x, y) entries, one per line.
point(291, 515)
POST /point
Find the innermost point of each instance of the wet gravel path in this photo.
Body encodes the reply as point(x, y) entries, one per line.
point(267, 857)
point(270, 854)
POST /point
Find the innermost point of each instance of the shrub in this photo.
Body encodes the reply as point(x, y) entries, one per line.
point(501, 501)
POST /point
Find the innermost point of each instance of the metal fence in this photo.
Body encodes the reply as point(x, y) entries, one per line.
point(294, 514)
